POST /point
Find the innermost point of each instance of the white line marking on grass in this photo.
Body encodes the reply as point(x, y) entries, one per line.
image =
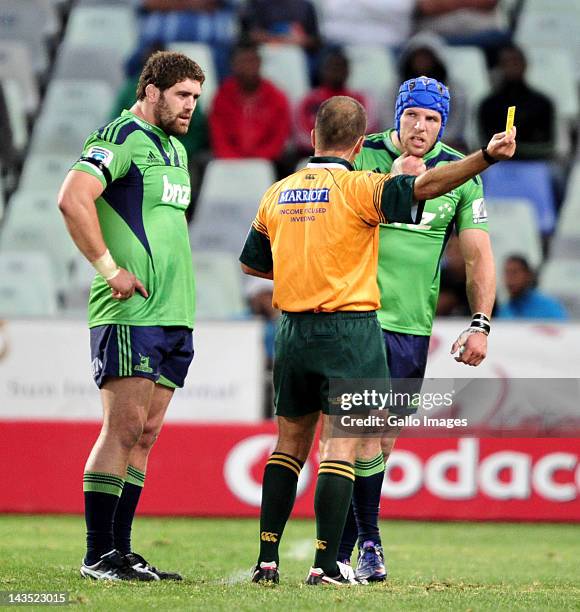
point(240, 575)
point(301, 549)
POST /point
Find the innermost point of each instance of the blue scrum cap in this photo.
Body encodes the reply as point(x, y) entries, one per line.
point(423, 92)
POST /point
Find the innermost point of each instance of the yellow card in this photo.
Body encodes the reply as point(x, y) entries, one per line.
point(509, 124)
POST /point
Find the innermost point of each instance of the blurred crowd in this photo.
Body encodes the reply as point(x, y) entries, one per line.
point(249, 111)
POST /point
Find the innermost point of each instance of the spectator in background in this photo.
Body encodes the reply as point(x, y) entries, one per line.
point(366, 22)
point(424, 54)
point(196, 141)
point(525, 301)
point(213, 22)
point(249, 117)
point(535, 116)
point(259, 292)
point(292, 22)
point(465, 22)
point(259, 295)
point(334, 69)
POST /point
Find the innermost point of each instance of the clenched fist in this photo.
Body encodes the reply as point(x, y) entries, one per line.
point(408, 164)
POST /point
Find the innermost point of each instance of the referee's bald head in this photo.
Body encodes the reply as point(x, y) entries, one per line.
point(340, 122)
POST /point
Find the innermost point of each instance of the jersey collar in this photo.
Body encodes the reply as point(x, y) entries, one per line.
point(329, 162)
point(146, 125)
point(390, 146)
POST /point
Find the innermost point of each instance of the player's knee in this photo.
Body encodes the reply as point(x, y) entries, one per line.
point(148, 437)
point(129, 434)
point(340, 449)
point(387, 446)
point(295, 443)
point(368, 448)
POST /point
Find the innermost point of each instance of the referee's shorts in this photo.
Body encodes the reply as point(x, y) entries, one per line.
point(311, 349)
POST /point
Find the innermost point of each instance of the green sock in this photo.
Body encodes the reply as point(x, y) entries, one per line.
point(331, 504)
point(366, 497)
point(278, 496)
point(125, 512)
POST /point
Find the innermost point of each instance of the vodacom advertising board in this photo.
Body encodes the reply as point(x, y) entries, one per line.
point(211, 453)
point(216, 470)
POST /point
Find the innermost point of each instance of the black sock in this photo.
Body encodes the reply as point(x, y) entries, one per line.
point(102, 492)
point(331, 503)
point(366, 497)
point(278, 496)
point(349, 536)
point(126, 509)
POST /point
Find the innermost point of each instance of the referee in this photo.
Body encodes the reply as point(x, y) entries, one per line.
point(316, 236)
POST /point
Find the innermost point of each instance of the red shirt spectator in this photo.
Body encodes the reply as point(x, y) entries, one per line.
point(334, 73)
point(250, 117)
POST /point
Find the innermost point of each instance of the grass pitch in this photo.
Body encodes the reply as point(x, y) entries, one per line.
point(432, 566)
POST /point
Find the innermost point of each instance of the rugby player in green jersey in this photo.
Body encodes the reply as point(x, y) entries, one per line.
point(408, 278)
point(124, 205)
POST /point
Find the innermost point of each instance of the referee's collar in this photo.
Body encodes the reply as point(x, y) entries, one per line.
point(329, 162)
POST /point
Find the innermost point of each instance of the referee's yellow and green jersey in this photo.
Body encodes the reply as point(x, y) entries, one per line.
point(318, 231)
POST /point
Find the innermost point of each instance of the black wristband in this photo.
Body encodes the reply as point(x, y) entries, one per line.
point(481, 326)
point(488, 158)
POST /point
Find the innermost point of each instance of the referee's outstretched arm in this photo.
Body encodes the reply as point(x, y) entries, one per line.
point(441, 180)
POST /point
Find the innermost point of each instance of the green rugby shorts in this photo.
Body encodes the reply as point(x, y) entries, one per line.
point(314, 348)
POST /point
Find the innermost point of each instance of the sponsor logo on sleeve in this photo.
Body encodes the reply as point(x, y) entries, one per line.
point(479, 211)
point(101, 154)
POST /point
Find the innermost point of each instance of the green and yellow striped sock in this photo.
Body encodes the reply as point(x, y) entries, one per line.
point(331, 504)
point(278, 496)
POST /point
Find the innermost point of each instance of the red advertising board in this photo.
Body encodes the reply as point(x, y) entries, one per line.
point(215, 470)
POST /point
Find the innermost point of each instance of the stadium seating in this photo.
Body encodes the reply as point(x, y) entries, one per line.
point(63, 134)
point(530, 180)
point(2, 204)
point(201, 53)
point(372, 71)
point(64, 96)
point(31, 22)
point(545, 25)
point(45, 171)
point(15, 63)
point(26, 285)
point(34, 224)
point(467, 67)
point(111, 27)
point(217, 300)
point(76, 293)
point(105, 64)
point(566, 240)
point(13, 94)
point(286, 67)
point(228, 202)
point(513, 230)
point(561, 279)
point(549, 71)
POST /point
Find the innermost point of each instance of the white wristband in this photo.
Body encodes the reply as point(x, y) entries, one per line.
point(105, 265)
